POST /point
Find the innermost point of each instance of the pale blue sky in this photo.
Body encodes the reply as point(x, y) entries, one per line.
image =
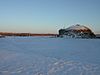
point(47, 16)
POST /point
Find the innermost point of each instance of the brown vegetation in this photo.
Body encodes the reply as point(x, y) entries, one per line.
point(24, 34)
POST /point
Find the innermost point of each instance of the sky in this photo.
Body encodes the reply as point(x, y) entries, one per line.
point(48, 16)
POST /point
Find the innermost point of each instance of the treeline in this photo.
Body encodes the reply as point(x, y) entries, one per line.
point(24, 34)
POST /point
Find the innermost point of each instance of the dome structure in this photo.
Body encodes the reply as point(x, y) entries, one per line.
point(76, 31)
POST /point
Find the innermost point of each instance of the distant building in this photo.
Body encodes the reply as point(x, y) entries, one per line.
point(2, 36)
point(98, 36)
point(76, 31)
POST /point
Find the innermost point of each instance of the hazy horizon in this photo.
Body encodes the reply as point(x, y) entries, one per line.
point(47, 16)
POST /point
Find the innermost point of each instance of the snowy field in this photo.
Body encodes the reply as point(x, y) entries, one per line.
point(49, 56)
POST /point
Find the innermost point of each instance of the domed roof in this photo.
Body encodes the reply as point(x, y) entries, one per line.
point(78, 27)
point(77, 31)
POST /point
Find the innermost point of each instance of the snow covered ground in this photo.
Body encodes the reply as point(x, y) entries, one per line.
point(49, 56)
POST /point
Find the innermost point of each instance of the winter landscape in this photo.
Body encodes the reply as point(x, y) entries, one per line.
point(49, 56)
point(49, 37)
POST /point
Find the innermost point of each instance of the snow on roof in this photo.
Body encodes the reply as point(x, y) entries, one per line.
point(77, 27)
